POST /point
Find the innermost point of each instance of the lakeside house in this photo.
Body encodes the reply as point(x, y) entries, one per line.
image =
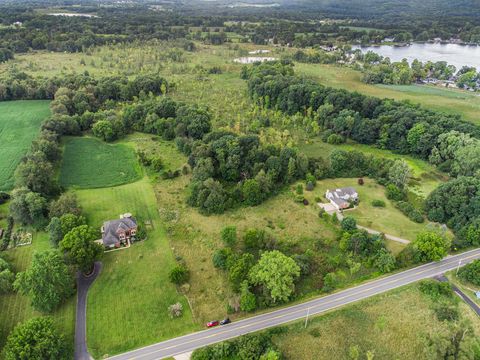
point(342, 198)
point(119, 232)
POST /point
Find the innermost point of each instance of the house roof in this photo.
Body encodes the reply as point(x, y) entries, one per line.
point(350, 191)
point(111, 229)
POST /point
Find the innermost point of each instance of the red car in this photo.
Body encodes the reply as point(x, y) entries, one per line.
point(212, 323)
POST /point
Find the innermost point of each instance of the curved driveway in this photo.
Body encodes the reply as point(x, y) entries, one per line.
point(83, 284)
point(200, 339)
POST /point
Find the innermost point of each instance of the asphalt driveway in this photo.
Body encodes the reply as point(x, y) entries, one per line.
point(83, 284)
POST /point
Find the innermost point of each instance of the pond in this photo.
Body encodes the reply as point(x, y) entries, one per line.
point(453, 54)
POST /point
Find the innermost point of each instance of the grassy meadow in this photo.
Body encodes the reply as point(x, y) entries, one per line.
point(447, 100)
point(19, 125)
point(92, 163)
point(128, 303)
point(394, 325)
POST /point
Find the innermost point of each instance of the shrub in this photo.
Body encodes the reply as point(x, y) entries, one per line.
point(309, 186)
point(335, 139)
point(229, 236)
point(471, 273)
point(360, 181)
point(299, 189)
point(179, 275)
point(409, 210)
point(220, 258)
point(175, 310)
point(436, 289)
point(447, 311)
point(378, 203)
point(4, 197)
point(393, 192)
point(248, 302)
point(349, 224)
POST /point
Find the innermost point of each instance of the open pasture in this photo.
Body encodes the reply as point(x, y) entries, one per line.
point(19, 125)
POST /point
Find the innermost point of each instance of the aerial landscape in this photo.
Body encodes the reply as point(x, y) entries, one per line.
point(222, 179)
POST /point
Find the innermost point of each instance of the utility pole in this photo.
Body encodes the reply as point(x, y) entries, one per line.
point(458, 267)
point(306, 319)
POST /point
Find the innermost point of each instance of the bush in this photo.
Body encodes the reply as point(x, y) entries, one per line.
point(393, 192)
point(175, 310)
point(220, 258)
point(335, 139)
point(179, 275)
point(409, 210)
point(471, 273)
point(309, 186)
point(349, 224)
point(447, 311)
point(229, 236)
point(248, 302)
point(299, 189)
point(378, 203)
point(436, 289)
point(360, 181)
point(4, 197)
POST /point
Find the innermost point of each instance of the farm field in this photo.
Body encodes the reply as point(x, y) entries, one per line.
point(387, 220)
point(449, 101)
point(395, 325)
point(128, 303)
point(19, 125)
point(425, 176)
point(16, 308)
point(92, 163)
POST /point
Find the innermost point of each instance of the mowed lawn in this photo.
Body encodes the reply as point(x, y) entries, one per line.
point(394, 325)
point(19, 125)
point(388, 220)
point(15, 308)
point(91, 163)
point(447, 100)
point(128, 303)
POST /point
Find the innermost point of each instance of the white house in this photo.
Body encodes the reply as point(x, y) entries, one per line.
point(342, 198)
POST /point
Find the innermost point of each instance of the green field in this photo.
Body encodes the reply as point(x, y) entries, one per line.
point(127, 304)
point(395, 325)
point(448, 101)
point(15, 308)
point(19, 125)
point(91, 163)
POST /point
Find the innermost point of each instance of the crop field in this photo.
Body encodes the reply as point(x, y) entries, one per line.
point(19, 125)
point(394, 325)
point(16, 308)
point(128, 303)
point(91, 163)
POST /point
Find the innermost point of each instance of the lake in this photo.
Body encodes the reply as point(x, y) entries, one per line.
point(454, 54)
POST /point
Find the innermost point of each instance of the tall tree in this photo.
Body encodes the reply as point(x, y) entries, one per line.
point(80, 248)
point(48, 281)
point(277, 273)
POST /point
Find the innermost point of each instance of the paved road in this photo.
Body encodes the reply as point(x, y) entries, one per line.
point(462, 295)
point(199, 339)
point(83, 284)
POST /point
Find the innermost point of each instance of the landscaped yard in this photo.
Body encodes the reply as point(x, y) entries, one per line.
point(395, 325)
point(388, 219)
point(92, 163)
point(19, 125)
point(128, 303)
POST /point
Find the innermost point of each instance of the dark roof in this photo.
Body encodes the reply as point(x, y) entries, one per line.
point(110, 228)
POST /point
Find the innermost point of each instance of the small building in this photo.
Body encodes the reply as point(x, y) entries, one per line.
point(116, 233)
point(342, 198)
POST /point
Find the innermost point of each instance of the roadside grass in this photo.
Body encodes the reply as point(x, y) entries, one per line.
point(394, 325)
point(91, 163)
point(444, 100)
point(425, 177)
point(128, 303)
point(16, 308)
point(388, 220)
point(19, 125)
